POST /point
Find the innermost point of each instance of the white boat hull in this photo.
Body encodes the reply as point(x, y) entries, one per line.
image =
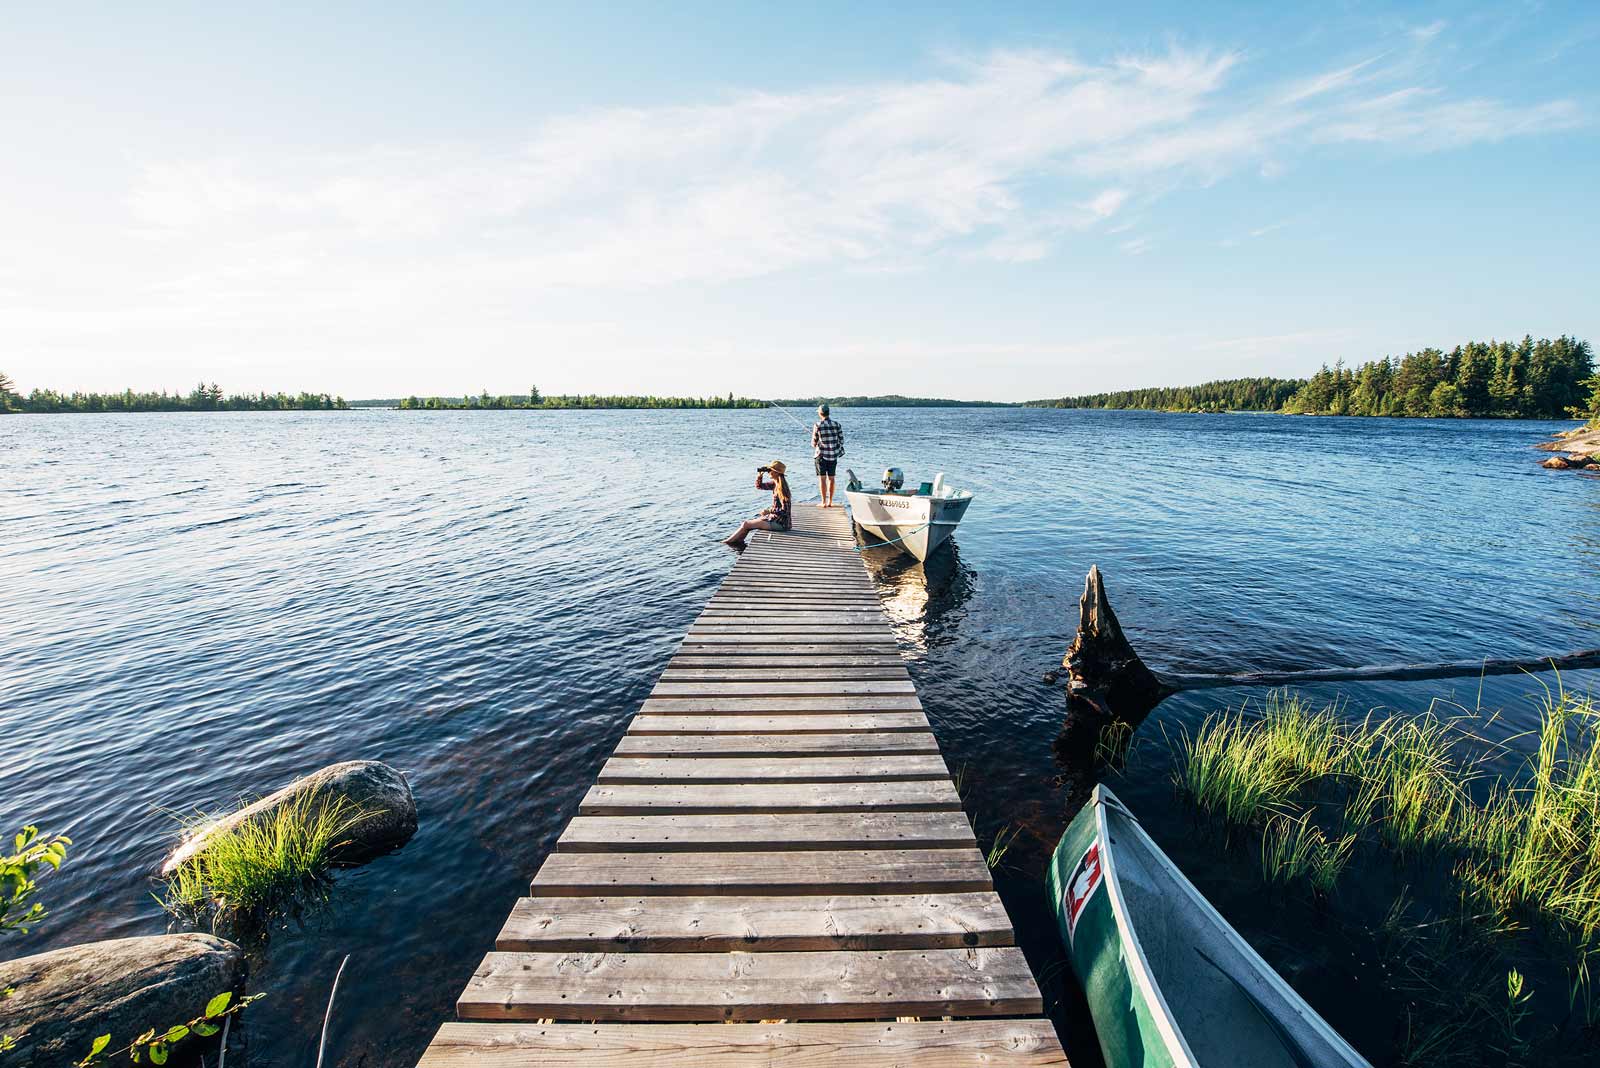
point(914, 524)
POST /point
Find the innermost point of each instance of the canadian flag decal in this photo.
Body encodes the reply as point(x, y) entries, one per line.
point(1085, 880)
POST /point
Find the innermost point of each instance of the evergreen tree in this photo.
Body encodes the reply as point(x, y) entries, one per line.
point(1534, 379)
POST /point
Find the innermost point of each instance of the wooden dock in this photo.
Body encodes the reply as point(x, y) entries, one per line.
point(773, 867)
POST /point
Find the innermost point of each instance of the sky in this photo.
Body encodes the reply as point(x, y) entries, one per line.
point(995, 202)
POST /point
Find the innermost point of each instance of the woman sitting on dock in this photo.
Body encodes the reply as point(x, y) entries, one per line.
point(774, 518)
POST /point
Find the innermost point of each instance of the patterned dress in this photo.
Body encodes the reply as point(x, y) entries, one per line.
point(779, 512)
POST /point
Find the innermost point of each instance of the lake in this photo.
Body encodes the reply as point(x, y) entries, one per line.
point(199, 607)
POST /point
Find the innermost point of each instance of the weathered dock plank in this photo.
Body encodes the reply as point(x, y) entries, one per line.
point(782, 688)
point(838, 723)
point(820, 985)
point(612, 799)
point(926, 1044)
point(746, 832)
point(748, 924)
point(822, 871)
point(627, 769)
point(775, 745)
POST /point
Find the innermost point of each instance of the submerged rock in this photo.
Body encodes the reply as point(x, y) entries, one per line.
point(66, 998)
point(380, 792)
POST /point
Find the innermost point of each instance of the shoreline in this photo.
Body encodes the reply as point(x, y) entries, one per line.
point(1582, 448)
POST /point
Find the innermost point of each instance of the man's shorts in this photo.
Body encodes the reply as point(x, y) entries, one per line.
point(827, 467)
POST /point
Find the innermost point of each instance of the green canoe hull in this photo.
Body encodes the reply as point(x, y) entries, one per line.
point(1170, 983)
point(1123, 1020)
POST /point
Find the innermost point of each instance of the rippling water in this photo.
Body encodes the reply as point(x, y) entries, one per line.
point(196, 607)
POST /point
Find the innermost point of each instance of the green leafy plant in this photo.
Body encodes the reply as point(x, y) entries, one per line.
point(156, 1046)
point(18, 885)
point(1114, 745)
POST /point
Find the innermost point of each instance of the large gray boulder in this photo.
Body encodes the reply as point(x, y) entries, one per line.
point(379, 791)
point(66, 998)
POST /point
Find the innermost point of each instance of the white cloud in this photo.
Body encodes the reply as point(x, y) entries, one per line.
point(1108, 203)
point(994, 157)
point(1424, 34)
point(1327, 83)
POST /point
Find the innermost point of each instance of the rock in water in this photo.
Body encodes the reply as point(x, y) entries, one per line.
point(66, 998)
point(379, 791)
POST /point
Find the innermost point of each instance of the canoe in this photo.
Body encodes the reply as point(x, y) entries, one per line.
point(1169, 982)
point(913, 521)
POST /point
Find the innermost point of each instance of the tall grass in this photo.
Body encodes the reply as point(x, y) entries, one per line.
point(1293, 849)
point(1004, 839)
point(1248, 769)
point(1409, 780)
point(1530, 848)
point(1534, 847)
point(264, 863)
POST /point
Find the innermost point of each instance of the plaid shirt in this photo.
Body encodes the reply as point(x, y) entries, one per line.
point(827, 437)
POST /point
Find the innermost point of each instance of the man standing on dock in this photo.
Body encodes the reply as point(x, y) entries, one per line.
point(827, 442)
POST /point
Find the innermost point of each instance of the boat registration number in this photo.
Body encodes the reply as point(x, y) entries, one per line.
point(1087, 875)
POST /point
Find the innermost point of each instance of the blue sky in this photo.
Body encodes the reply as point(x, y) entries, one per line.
point(785, 200)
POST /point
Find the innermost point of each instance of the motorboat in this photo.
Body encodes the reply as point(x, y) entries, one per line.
point(916, 521)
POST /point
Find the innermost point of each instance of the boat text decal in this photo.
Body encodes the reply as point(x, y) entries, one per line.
point(1086, 878)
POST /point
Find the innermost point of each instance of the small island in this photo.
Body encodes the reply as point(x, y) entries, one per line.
point(202, 398)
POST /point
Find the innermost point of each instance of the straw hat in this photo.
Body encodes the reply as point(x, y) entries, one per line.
point(777, 466)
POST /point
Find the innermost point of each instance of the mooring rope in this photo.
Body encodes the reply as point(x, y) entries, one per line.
point(895, 541)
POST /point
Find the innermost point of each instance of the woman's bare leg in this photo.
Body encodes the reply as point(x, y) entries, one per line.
point(737, 540)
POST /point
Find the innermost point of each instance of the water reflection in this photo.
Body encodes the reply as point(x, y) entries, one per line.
point(923, 599)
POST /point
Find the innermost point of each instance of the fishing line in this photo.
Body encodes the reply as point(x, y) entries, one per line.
point(797, 422)
point(786, 411)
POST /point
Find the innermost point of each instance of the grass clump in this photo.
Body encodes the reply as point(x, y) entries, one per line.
point(1004, 839)
point(1409, 780)
point(1294, 849)
point(1535, 845)
point(1247, 770)
point(262, 864)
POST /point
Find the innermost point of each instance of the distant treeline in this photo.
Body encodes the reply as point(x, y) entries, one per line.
point(890, 400)
point(1513, 380)
point(202, 398)
point(1527, 379)
point(487, 401)
point(1233, 394)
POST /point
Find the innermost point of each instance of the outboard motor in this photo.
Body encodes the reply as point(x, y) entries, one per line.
point(893, 479)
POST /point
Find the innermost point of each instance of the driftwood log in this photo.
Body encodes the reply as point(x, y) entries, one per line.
point(1106, 680)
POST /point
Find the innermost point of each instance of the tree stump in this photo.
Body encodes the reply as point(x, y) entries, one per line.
point(1105, 677)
